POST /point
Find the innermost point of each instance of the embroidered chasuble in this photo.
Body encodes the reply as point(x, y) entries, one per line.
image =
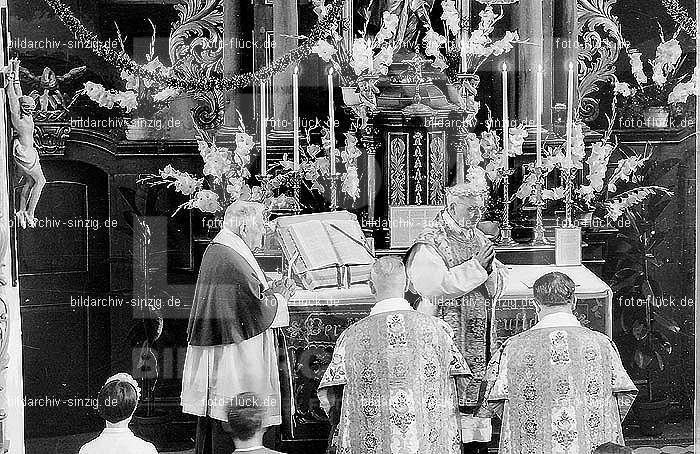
point(558, 390)
point(403, 379)
point(442, 269)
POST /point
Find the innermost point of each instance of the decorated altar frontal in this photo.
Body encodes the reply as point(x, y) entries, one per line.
point(318, 317)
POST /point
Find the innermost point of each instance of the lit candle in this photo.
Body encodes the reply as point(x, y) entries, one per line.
point(540, 108)
point(506, 138)
point(331, 119)
point(295, 83)
point(263, 128)
point(570, 111)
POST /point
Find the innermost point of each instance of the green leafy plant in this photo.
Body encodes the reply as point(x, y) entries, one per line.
point(645, 345)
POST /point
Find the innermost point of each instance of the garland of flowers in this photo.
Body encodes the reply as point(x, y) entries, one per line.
point(680, 16)
point(121, 60)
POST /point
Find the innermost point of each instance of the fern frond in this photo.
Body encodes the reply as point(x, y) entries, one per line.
point(634, 197)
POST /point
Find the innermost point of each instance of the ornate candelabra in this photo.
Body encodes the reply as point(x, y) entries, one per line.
point(335, 178)
point(296, 185)
point(539, 239)
point(505, 237)
point(568, 180)
point(467, 84)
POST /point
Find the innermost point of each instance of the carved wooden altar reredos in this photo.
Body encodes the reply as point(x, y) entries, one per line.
point(411, 160)
point(411, 138)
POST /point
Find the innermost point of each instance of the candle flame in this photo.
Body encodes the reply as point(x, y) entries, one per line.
point(571, 66)
point(296, 70)
point(505, 67)
point(330, 71)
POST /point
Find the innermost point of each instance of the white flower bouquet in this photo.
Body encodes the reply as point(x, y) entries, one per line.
point(224, 177)
point(142, 98)
point(476, 48)
point(608, 190)
point(658, 83)
point(315, 165)
point(369, 55)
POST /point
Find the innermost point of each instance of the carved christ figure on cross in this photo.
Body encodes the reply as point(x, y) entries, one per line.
point(25, 153)
point(414, 18)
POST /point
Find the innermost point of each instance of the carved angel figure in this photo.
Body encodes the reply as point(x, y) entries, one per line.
point(49, 97)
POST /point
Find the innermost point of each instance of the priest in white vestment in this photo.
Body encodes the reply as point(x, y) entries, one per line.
point(452, 266)
point(231, 342)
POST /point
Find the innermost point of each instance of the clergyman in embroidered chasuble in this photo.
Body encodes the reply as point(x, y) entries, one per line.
point(443, 270)
point(557, 389)
point(403, 379)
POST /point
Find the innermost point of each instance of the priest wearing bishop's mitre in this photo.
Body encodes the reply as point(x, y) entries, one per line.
point(452, 266)
point(231, 342)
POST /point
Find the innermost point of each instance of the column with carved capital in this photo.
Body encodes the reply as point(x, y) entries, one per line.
point(232, 53)
point(533, 19)
point(285, 28)
point(565, 48)
point(371, 146)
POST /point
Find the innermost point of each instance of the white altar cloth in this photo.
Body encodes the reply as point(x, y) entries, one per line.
point(518, 287)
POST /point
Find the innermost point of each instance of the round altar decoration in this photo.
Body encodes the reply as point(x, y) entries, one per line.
point(122, 61)
point(681, 17)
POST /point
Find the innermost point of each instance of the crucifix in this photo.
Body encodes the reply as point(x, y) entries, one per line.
point(416, 76)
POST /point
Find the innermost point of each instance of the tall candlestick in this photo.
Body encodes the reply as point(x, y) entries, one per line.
point(540, 108)
point(463, 52)
point(506, 138)
point(570, 111)
point(331, 119)
point(263, 128)
point(447, 36)
point(295, 83)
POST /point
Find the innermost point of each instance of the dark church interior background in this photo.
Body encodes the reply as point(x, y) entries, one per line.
point(105, 234)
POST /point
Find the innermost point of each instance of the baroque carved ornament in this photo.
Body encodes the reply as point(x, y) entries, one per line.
point(600, 42)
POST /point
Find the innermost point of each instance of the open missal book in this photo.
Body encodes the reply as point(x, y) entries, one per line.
point(325, 249)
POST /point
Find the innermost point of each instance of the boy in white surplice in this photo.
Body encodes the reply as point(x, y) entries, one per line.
point(116, 404)
point(231, 345)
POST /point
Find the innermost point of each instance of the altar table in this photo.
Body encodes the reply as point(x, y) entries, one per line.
point(318, 317)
